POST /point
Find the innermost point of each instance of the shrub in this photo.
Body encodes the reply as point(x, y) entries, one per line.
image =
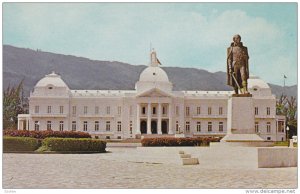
point(46, 133)
point(74, 145)
point(19, 144)
point(172, 141)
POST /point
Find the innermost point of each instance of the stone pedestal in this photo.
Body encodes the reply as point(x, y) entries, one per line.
point(241, 120)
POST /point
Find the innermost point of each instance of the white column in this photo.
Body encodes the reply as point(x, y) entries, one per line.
point(170, 119)
point(159, 119)
point(138, 121)
point(27, 124)
point(18, 123)
point(149, 119)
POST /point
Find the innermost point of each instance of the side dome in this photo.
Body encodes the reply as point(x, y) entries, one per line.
point(51, 79)
point(51, 85)
point(154, 74)
point(258, 87)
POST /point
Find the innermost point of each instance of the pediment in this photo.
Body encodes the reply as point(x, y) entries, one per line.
point(155, 92)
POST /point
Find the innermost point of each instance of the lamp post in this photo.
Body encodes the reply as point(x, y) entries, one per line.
point(287, 135)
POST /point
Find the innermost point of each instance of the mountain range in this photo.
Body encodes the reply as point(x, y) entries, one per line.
point(83, 73)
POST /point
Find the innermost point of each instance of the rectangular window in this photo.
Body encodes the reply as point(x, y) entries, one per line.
point(154, 110)
point(74, 110)
point(61, 109)
point(187, 111)
point(268, 111)
point(209, 126)
point(256, 110)
point(221, 126)
point(268, 127)
point(85, 110)
point(73, 125)
point(198, 126)
point(96, 109)
point(130, 127)
point(49, 125)
point(144, 110)
point(220, 110)
point(163, 110)
point(177, 127)
point(119, 110)
point(119, 126)
point(85, 123)
point(107, 125)
point(256, 127)
point(108, 110)
point(198, 110)
point(36, 125)
point(177, 110)
point(49, 109)
point(36, 109)
point(96, 125)
point(280, 126)
point(187, 126)
point(209, 110)
point(130, 110)
point(61, 125)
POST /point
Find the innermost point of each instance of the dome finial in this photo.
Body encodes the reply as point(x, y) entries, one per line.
point(154, 60)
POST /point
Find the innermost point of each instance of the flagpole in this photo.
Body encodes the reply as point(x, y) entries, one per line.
point(284, 77)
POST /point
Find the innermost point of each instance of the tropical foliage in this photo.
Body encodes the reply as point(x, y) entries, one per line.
point(14, 103)
point(288, 107)
point(172, 141)
point(73, 145)
point(46, 133)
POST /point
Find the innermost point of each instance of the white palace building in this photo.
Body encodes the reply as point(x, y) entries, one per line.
point(152, 108)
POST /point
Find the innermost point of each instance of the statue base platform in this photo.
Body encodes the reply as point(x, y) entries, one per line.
point(241, 138)
point(240, 123)
point(244, 140)
point(242, 95)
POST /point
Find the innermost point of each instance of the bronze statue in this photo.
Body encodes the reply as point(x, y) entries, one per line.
point(237, 66)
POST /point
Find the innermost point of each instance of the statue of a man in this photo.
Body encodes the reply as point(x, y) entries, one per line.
point(237, 66)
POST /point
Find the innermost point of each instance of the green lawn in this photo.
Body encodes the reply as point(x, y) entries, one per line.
point(283, 143)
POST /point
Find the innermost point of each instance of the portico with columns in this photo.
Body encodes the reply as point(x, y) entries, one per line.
point(155, 108)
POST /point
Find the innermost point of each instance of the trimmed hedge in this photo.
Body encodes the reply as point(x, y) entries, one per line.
point(172, 141)
point(73, 145)
point(19, 144)
point(45, 134)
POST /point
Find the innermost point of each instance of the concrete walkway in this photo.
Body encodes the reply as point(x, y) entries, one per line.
point(140, 167)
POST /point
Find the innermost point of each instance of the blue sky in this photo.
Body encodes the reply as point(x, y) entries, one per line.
point(183, 34)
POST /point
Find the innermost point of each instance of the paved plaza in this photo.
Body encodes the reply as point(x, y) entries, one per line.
point(234, 167)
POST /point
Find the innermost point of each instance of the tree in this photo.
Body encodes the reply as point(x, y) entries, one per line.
point(288, 107)
point(281, 105)
point(14, 103)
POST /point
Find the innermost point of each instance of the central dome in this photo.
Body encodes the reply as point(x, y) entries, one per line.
point(154, 74)
point(153, 77)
